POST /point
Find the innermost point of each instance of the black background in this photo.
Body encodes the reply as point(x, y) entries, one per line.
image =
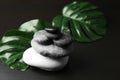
point(93, 61)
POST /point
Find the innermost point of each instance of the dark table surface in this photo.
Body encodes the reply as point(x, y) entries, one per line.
point(94, 61)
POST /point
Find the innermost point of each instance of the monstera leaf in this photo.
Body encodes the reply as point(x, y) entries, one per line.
point(33, 25)
point(15, 42)
point(83, 21)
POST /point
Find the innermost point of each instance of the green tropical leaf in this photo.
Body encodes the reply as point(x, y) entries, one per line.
point(83, 21)
point(15, 42)
point(12, 47)
point(33, 25)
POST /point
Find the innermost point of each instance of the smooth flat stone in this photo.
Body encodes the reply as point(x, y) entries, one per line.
point(32, 58)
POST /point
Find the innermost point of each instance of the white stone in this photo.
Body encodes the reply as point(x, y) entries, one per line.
point(32, 58)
